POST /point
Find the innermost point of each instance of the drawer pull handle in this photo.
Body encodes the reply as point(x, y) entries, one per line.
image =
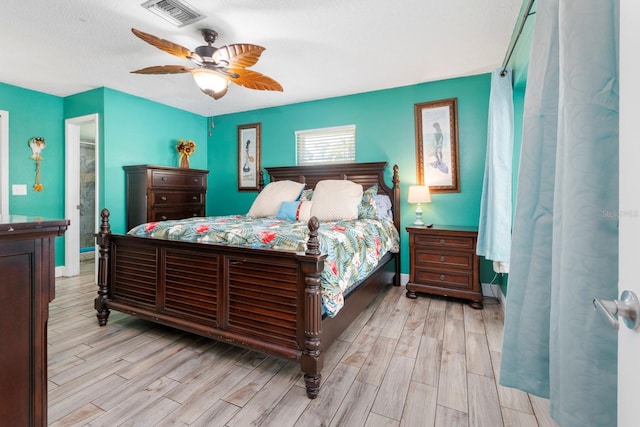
point(164, 178)
point(442, 277)
point(194, 198)
point(163, 198)
point(195, 180)
point(163, 217)
point(442, 258)
point(442, 241)
point(194, 214)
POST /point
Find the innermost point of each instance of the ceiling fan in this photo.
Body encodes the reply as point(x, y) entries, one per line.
point(216, 67)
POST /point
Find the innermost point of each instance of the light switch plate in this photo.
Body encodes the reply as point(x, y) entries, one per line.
point(19, 189)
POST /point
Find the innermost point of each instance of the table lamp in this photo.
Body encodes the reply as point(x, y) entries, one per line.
point(419, 194)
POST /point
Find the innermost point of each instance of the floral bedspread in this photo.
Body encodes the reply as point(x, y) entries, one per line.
point(353, 247)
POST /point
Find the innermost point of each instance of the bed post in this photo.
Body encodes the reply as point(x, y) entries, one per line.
point(311, 361)
point(103, 238)
point(396, 218)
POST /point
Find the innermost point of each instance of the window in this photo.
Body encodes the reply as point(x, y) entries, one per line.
point(326, 145)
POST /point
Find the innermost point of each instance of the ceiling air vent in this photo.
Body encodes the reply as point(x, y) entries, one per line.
point(179, 13)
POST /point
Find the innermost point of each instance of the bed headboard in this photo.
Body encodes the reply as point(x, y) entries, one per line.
point(366, 174)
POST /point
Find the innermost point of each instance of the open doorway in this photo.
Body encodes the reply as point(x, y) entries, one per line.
point(81, 190)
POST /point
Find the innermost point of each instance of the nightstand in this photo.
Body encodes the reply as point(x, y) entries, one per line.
point(443, 261)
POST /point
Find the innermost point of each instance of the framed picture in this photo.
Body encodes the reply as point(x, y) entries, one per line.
point(437, 145)
point(249, 157)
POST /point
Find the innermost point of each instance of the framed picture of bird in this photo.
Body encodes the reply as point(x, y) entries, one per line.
point(437, 145)
point(249, 157)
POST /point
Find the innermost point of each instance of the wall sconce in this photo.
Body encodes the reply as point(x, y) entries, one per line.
point(37, 144)
point(419, 194)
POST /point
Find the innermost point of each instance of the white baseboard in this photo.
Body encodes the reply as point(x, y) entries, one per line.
point(494, 291)
point(59, 271)
point(404, 278)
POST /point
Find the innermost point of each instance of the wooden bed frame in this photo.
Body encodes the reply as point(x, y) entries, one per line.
point(261, 299)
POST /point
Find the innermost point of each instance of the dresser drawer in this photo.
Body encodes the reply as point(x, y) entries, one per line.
point(446, 279)
point(160, 179)
point(165, 214)
point(173, 198)
point(451, 260)
point(450, 242)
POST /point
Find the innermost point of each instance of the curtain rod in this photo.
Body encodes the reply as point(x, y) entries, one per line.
point(514, 41)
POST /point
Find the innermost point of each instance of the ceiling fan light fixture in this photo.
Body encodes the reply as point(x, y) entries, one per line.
point(209, 80)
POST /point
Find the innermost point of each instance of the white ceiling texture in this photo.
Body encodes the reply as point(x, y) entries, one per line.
point(315, 49)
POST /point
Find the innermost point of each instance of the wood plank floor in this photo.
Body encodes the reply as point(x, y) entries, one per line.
point(422, 362)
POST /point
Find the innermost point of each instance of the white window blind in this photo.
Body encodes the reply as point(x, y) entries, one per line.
point(326, 145)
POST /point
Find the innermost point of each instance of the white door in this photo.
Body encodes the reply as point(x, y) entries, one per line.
point(629, 210)
point(72, 187)
point(4, 162)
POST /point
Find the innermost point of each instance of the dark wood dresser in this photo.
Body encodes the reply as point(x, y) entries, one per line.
point(444, 262)
point(27, 281)
point(158, 193)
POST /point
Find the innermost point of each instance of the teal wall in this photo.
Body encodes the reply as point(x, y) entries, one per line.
point(32, 114)
point(132, 130)
point(139, 131)
point(385, 131)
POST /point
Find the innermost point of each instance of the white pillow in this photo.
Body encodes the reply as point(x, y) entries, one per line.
point(271, 197)
point(335, 199)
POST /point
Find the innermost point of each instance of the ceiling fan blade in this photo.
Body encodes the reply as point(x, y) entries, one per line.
point(239, 55)
point(254, 80)
point(166, 45)
point(164, 69)
point(216, 95)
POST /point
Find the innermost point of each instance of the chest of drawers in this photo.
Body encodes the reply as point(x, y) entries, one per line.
point(444, 262)
point(158, 193)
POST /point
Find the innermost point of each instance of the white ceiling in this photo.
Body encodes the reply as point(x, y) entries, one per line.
point(315, 49)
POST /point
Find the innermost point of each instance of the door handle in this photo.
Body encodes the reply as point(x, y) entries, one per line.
point(627, 307)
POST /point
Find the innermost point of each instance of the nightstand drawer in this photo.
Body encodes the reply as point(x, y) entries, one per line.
point(443, 278)
point(172, 198)
point(450, 242)
point(172, 179)
point(452, 260)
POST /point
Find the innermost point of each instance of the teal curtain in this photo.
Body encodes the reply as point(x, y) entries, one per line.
point(494, 229)
point(565, 234)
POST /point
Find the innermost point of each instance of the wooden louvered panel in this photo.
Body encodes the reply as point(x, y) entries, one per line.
point(191, 285)
point(134, 275)
point(262, 300)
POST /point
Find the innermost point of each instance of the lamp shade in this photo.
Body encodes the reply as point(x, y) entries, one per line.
point(209, 80)
point(419, 194)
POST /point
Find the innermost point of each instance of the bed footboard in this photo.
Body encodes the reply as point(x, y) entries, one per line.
point(263, 300)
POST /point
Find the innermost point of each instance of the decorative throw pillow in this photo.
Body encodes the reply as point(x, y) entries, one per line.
point(271, 197)
point(384, 207)
point(295, 211)
point(367, 208)
point(306, 195)
point(335, 199)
